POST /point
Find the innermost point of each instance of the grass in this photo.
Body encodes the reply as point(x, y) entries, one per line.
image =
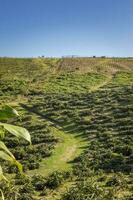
point(69, 147)
point(123, 78)
point(74, 83)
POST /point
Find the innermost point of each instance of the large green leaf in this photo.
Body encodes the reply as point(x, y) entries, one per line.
point(17, 131)
point(1, 174)
point(7, 157)
point(2, 195)
point(3, 147)
point(8, 112)
point(2, 133)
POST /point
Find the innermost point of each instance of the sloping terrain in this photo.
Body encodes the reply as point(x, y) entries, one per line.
point(79, 112)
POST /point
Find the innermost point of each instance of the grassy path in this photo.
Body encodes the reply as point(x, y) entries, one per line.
point(68, 148)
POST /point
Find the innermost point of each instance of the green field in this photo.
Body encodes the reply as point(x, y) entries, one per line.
point(79, 112)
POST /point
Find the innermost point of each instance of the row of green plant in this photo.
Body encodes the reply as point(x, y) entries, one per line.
point(60, 91)
point(5, 154)
point(24, 187)
point(104, 119)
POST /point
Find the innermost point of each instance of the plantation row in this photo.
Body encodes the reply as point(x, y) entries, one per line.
point(43, 142)
point(91, 98)
point(104, 118)
point(35, 187)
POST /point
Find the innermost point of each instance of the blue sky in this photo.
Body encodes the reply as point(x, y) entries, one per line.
point(66, 27)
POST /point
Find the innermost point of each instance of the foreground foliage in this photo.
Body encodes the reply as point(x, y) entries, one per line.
point(5, 154)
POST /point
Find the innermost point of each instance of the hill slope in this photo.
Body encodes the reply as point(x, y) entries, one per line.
point(79, 112)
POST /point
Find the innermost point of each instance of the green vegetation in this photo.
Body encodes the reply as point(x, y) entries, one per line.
point(71, 83)
point(5, 154)
point(67, 148)
point(79, 113)
point(123, 78)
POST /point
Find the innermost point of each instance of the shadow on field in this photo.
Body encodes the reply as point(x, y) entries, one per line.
point(100, 119)
point(68, 129)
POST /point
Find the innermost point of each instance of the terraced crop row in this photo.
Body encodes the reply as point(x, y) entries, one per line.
point(104, 119)
point(71, 105)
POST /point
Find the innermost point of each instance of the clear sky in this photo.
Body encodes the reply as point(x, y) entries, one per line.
point(66, 27)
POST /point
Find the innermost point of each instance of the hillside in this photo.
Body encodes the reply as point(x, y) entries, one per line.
point(79, 112)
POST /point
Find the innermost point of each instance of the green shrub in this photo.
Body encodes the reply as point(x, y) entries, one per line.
point(55, 180)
